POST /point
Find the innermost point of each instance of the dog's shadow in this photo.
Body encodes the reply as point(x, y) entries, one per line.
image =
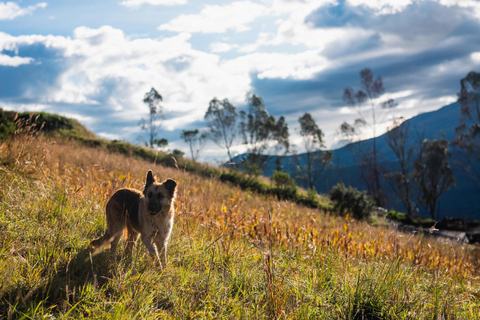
point(61, 283)
point(64, 283)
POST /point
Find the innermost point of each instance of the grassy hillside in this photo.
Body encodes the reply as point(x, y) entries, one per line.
point(233, 254)
point(59, 128)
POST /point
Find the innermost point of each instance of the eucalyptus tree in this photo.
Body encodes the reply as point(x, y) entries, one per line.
point(221, 118)
point(371, 89)
point(262, 134)
point(195, 141)
point(316, 159)
point(468, 132)
point(152, 125)
point(401, 180)
point(433, 173)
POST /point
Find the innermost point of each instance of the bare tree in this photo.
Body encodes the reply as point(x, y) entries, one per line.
point(221, 118)
point(371, 89)
point(433, 173)
point(316, 159)
point(262, 134)
point(152, 126)
point(195, 141)
point(400, 180)
point(468, 132)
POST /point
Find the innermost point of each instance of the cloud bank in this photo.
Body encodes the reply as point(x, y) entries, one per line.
point(298, 55)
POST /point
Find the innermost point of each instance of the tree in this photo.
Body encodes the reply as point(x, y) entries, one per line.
point(152, 127)
point(316, 159)
point(195, 141)
point(433, 173)
point(468, 132)
point(221, 118)
point(400, 180)
point(371, 89)
point(262, 134)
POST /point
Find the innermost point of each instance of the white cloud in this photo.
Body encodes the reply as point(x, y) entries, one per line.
point(303, 65)
point(382, 6)
point(218, 19)
point(109, 136)
point(138, 3)
point(11, 10)
point(109, 72)
point(220, 47)
point(13, 61)
point(475, 57)
point(24, 107)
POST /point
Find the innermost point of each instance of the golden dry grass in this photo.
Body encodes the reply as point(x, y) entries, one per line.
point(233, 253)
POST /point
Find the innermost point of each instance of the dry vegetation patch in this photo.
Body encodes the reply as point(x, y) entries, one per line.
point(233, 253)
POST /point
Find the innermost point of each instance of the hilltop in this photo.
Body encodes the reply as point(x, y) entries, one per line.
point(234, 253)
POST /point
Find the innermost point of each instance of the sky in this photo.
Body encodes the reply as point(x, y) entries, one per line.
point(95, 60)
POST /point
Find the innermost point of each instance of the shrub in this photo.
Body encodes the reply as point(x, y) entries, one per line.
point(282, 179)
point(350, 200)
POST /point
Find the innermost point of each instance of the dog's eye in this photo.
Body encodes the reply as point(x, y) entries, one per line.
point(159, 196)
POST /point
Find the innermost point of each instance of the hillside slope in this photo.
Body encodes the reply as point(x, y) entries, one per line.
point(233, 253)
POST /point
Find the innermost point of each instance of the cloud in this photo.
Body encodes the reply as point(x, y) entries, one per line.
point(103, 74)
point(11, 10)
point(303, 65)
point(418, 21)
point(382, 7)
point(475, 57)
point(15, 61)
point(218, 19)
point(220, 47)
point(138, 3)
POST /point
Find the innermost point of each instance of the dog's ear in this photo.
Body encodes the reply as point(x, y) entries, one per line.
point(149, 180)
point(170, 185)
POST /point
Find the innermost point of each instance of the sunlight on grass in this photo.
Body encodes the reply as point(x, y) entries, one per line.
point(233, 253)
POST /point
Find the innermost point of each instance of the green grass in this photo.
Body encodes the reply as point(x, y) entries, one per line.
point(234, 253)
point(416, 220)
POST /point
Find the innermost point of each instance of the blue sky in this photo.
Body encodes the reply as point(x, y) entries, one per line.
point(94, 60)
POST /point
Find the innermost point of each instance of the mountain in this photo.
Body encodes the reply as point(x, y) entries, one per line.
point(460, 202)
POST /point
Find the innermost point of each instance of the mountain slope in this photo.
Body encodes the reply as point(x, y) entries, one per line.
point(460, 202)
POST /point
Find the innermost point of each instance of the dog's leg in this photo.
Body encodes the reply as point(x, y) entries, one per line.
point(131, 239)
point(152, 248)
point(163, 251)
point(161, 245)
point(115, 239)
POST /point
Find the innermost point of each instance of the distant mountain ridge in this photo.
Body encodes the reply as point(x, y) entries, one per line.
point(460, 202)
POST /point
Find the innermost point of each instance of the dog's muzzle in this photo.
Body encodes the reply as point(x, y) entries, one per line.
point(154, 211)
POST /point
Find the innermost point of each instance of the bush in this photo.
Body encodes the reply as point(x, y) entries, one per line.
point(352, 201)
point(282, 180)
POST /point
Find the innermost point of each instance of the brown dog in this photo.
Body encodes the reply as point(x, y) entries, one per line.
point(149, 213)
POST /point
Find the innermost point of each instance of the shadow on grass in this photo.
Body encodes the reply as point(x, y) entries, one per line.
point(59, 285)
point(84, 279)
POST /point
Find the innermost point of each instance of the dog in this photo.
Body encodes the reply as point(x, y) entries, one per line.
point(149, 213)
